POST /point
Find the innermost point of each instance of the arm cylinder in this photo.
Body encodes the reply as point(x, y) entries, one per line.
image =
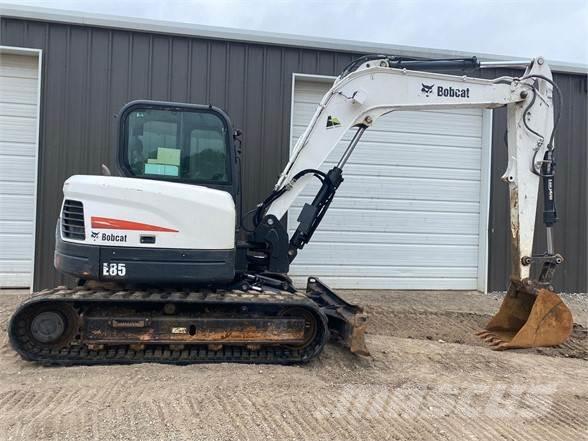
point(548, 172)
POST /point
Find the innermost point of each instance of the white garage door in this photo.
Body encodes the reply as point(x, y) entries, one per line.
point(19, 89)
point(407, 215)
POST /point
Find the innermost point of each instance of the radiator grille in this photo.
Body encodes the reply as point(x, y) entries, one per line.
point(72, 220)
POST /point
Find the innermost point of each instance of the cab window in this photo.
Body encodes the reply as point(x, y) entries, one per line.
point(177, 145)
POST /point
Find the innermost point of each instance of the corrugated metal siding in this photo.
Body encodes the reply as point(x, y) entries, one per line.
point(408, 214)
point(91, 72)
point(19, 87)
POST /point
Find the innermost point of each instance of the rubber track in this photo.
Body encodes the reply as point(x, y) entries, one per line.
point(161, 353)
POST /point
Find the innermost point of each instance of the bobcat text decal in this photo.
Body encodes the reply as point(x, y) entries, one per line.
point(108, 237)
point(449, 91)
point(453, 92)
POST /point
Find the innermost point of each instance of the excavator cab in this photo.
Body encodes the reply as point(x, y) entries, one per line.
point(176, 142)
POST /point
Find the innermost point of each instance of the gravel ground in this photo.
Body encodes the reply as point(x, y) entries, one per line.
point(428, 378)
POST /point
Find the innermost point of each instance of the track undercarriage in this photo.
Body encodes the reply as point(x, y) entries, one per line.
point(97, 326)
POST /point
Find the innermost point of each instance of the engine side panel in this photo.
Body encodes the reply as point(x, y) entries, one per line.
point(145, 266)
point(143, 213)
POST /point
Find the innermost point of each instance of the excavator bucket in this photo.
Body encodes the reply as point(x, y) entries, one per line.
point(528, 317)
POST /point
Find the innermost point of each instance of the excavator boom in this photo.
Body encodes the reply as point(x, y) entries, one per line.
point(360, 96)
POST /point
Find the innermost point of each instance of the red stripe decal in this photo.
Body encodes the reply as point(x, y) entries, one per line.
point(107, 223)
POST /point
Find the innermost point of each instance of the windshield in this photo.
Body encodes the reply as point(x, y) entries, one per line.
point(177, 144)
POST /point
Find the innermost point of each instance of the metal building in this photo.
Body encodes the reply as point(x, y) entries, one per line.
point(422, 194)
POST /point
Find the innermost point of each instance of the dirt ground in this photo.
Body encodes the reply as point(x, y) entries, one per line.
point(428, 378)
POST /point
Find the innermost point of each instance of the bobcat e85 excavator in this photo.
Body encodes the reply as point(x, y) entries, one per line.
point(164, 276)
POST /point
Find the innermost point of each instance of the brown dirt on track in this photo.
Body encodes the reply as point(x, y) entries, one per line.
point(428, 378)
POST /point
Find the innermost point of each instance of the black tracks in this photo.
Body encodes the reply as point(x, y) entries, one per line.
point(80, 298)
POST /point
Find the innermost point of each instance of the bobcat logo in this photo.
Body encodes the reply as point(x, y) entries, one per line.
point(95, 235)
point(427, 90)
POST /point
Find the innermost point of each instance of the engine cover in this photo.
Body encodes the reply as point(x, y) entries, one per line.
point(138, 231)
point(130, 212)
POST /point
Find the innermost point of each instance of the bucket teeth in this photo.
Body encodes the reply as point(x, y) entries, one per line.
point(496, 343)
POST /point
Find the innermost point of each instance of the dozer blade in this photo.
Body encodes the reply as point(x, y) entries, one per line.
point(347, 322)
point(529, 317)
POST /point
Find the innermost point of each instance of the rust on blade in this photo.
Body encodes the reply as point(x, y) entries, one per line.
point(355, 340)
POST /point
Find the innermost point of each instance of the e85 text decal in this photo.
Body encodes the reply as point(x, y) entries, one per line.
point(114, 269)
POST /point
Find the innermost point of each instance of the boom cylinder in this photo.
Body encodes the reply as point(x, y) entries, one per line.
point(312, 214)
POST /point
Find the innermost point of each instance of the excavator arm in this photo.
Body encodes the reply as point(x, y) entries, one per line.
point(375, 87)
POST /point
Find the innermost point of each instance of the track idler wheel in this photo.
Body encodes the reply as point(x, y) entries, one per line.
point(49, 326)
point(529, 317)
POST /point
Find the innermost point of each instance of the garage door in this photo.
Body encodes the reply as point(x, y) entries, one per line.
point(407, 215)
point(19, 88)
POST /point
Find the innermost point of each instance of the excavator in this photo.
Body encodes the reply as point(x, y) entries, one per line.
point(169, 271)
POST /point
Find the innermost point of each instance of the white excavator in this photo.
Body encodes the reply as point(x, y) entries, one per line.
point(170, 272)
